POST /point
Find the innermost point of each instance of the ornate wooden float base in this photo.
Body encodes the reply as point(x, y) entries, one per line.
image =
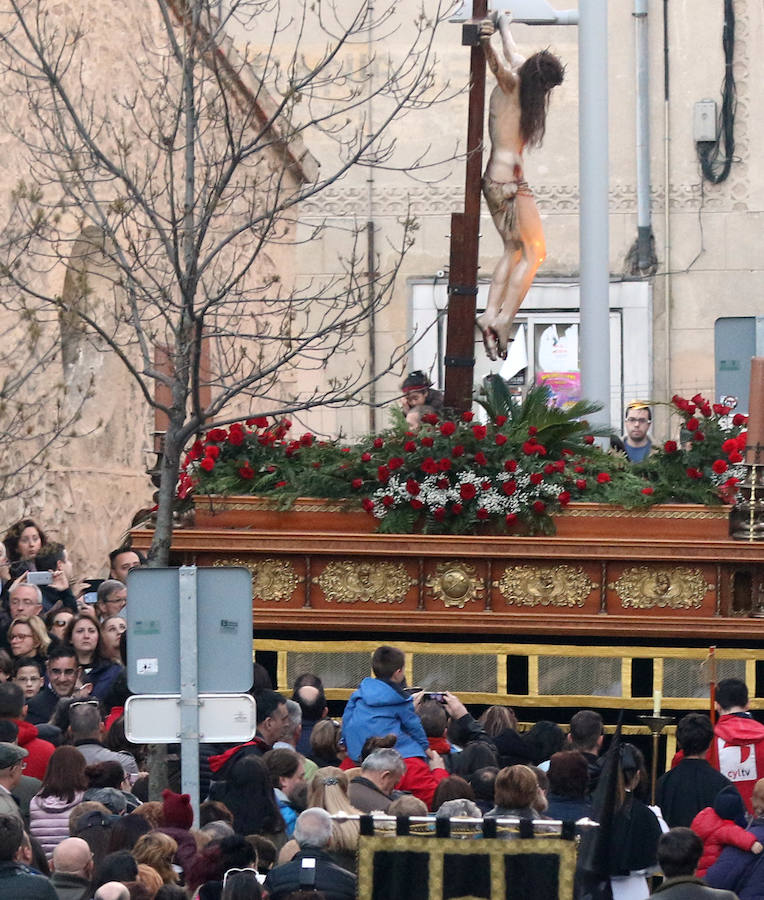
point(666, 572)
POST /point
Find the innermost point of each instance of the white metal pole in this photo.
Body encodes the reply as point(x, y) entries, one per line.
point(594, 222)
point(189, 687)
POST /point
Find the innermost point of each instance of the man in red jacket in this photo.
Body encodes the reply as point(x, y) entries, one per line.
point(12, 707)
point(737, 750)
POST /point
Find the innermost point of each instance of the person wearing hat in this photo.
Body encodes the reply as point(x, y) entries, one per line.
point(12, 767)
point(635, 443)
point(417, 391)
point(177, 819)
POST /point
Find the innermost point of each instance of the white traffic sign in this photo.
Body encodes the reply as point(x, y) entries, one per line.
point(156, 718)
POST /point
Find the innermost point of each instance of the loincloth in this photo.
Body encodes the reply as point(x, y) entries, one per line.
point(500, 199)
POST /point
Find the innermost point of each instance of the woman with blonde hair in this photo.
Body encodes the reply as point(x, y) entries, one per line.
point(157, 850)
point(328, 789)
point(28, 636)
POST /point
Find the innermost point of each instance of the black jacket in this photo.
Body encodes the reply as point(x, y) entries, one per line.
point(335, 883)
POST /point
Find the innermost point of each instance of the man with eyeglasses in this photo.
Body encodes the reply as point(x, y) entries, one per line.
point(60, 679)
point(635, 442)
point(12, 765)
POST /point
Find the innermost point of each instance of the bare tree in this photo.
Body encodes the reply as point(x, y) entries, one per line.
point(171, 197)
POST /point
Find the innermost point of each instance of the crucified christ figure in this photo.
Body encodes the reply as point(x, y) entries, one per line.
point(516, 119)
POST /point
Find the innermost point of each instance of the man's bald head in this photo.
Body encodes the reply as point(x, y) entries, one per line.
point(112, 890)
point(73, 857)
point(312, 702)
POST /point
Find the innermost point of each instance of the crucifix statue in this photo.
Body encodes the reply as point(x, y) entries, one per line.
point(517, 119)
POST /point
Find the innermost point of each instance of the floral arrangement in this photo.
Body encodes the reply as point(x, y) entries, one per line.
point(453, 475)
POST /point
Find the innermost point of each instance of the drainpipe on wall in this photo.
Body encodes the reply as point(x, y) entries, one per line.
point(646, 261)
point(666, 199)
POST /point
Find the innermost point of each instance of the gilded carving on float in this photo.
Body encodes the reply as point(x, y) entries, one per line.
point(343, 581)
point(273, 580)
point(678, 588)
point(545, 586)
point(455, 584)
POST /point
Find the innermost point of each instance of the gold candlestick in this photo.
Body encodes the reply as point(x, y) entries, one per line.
point(656, 724)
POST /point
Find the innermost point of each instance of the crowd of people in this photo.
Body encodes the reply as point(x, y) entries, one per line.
point(282, 813)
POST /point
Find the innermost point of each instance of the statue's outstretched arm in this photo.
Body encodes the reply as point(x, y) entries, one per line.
point(512, 54)
point(503, 72)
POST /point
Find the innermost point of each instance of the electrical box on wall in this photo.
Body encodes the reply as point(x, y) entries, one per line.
point(704, 121)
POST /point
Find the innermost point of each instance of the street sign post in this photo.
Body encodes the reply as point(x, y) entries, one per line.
point(190, 631)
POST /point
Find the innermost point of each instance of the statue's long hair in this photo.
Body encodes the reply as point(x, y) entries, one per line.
point(538, 75)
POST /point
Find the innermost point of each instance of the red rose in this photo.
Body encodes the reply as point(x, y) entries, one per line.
point(208, 463)
point(588, 439)
point(690, 409)
point(388, 501)
point(427, 442)
point(692, 424)
point(736, 457)
point(648, 491)
point(678, 401)
point(739, 419)
point(443, 483)
point(412, 486)
point(485, 485)
point(500, 440)
point(532, 430)
point(699, 436)
point(742, 440)
point(719, 466)
point(456, 508)
point(509, 487)
point(500, 420)
point(316, 465)
point(579, 469)
point(706, 410)
point(447, 429)
point(529, 448)
point(368, 504)
point(581, 484)
point(698, 398)
point(603, 477)
point(306, 440)
point(212, 451)
point(258, 422)
point(430, 419)
point(479, 431)
point(536, 478)
point(480, 459)
point(510, 465)
point(439, 514)
point(467, 416)
point(694, 473)
point(429, 466)
point(564, 498)
point(246, 471)
point(416, 504)
point(457, 450)
point(366, 457)
point(670, 446)
point(511, 518)
point(538, 506)
point(409, 447)
point(721, 410)
point(378, 443)
point(444, 465)
point(383, 474)
point(467, 491)
point(217, 435)
point(281, 484)
point(482, 513)
point(356, 484)
point(395, 462)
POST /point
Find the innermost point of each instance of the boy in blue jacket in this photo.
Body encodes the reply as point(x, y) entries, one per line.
point(381, 705)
